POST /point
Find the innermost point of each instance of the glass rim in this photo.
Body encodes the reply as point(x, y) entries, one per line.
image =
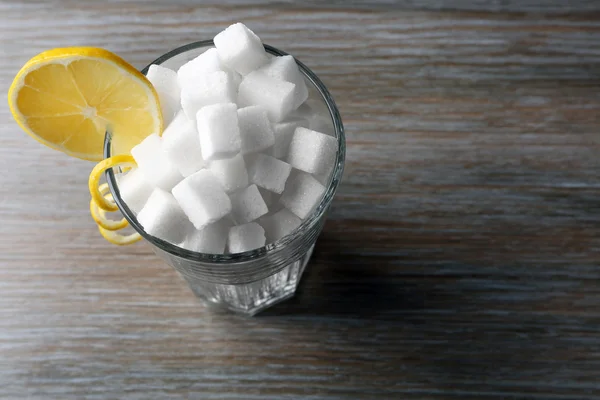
point(280, 244)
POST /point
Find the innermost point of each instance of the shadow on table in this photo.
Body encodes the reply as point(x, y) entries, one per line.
point(341, 282)
point(443, 326)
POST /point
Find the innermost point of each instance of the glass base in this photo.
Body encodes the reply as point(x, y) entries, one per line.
point(251, 298)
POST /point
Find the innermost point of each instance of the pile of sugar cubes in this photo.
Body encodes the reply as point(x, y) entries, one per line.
point(240, 163)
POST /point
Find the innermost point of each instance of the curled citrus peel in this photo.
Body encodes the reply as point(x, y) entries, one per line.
point(99, 215)
point(103, 202)
point(96, 174)
point(108, 228)
point(118, 239)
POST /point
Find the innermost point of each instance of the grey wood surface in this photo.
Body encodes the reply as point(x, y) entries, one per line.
point(461, 256)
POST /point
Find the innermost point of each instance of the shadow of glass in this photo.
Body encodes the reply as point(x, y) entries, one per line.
point(343, 282)
point(414, 323)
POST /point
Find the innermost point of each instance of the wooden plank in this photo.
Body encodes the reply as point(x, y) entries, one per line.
point(512, 6)
point(460, 259)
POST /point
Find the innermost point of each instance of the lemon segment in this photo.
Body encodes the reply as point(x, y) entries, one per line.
point(68, 98)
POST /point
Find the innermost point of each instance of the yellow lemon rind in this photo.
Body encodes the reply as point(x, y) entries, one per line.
point(99, 215)
point(65, 56)
point(120, 240)
point(96, 174)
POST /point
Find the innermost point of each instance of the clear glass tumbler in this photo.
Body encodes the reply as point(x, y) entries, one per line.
point(248, 282)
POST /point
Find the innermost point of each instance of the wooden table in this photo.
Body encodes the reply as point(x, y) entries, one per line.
point(461, 256)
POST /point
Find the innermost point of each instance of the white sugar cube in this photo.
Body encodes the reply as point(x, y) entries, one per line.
point(164, 81)
point(311, 151)
point(285, 68)
point(135, 190)
point(154, 164)
point(247, 205)
point(203, 90)
point(279, 224)
point(202, 65)
point(323, 177)
point(205, 63)
point(276, 96)
point(302, 193)
point(212, 239)
point(255, 129)
point(163, 218)
point(219, 131)
point(283, 132)
point(181, 144)
point(246, 237)
point(231, 172)
point(202, 198)
point(240, 49)
point(268, 172)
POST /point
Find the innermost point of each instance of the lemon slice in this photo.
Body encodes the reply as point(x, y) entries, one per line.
point(118, 239)
point(96, 174)
point(100, 216)
point(67, 98)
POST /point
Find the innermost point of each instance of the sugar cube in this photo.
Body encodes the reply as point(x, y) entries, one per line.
point(279, 224)
point(162, 217)
point(231, 172)
point(311, 151)
point(283, 132)
point(302, 193)
point(246, 237)
point(164, 81)
point(205, 63)
point(285, 68)
point(323, 177)
point(212, 239)
point(276, 96)
point(247, 205)
point(154, 164)
point(240, 49)
point(181, 144)
point(255, 129)
point(268, 172)
point(202, 198)
point(219, 131)
point(134, 189)
point(203, 90)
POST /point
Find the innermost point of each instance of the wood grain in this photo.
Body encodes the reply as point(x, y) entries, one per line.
point(461, 256)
